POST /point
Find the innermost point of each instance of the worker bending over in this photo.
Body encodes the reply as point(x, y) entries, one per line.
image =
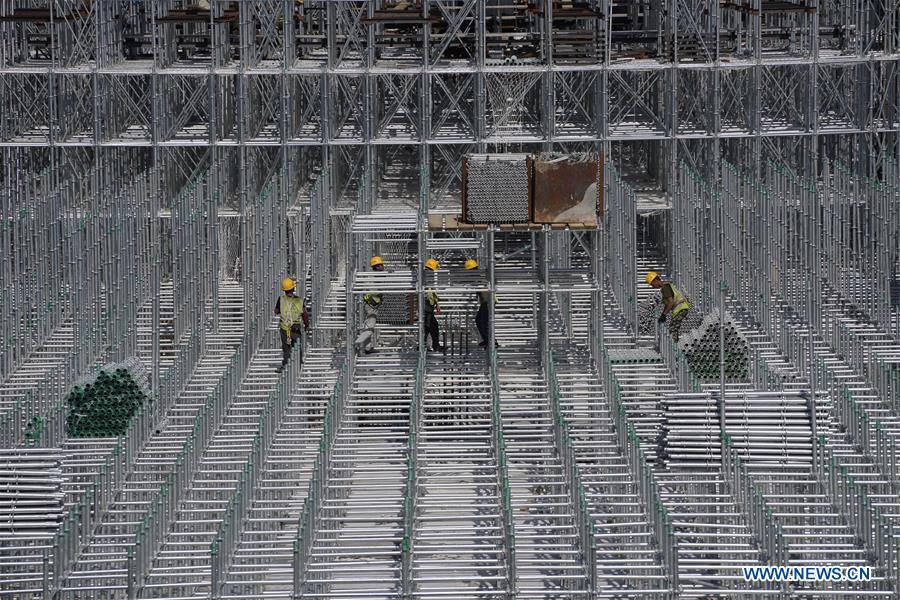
point(483, 316)
point(432, 307)
point(367, 339)
point(291, 311)
point(674, 303)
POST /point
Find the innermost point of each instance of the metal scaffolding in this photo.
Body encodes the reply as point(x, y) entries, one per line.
point(165, 164)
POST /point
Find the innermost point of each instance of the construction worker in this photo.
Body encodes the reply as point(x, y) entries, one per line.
point(432, 307)
point(291, 311)
point(482, 317)
point(674, 302)
point(368, 335)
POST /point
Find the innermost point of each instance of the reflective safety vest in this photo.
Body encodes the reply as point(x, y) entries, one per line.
point(291, 309)
point(679, 300)
point(432, 299)
point(373, 300)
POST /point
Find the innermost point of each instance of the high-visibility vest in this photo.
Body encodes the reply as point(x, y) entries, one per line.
point(291, 311)
point(679, 300)
point(432, 299)
point(372, 300)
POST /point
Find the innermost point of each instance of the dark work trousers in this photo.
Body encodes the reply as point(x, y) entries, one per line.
point(431, 328)
point(286, 343)
point(482, 322)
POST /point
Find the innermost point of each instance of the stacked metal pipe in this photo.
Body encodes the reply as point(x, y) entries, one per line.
point(701, 347)
point(497, 188)
point(31, 497)
point(396, 309)
point(765, 428)
point(104, 407)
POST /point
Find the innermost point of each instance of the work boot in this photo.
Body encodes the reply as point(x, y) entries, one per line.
point(440, 349)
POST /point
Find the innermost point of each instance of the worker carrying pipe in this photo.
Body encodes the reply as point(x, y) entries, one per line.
point(674, 303)
point(483, 316)
point(367, 339)
point(291, 312)
point(432, 307)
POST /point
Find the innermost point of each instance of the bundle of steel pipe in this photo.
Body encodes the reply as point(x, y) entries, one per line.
point(103, 407)
point(31, 497)
point(765, 428)
point(497, 188)
point(701, 348)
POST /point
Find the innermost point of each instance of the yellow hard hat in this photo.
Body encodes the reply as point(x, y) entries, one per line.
point(287, 284)
point(431, 264)
point(376, 260)
point(651, 276)
point(471, 264)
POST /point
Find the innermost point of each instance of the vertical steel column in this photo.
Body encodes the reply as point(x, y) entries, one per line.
point(425, 101)
point(480, 100)
point(716, 103)
point(676, 269)
point(158, 112)
point(544, 314)
point(549, 78)
point(812, 172)
point(370, 108)
point(420, 292)
point(492, 288)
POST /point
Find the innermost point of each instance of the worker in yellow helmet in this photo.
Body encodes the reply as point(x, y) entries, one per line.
point(367, 339)
point(291, 311)
point(674, 303)
point(432, 307)
point(483, 316)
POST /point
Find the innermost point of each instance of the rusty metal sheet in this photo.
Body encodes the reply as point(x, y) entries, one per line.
point(565, 190)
